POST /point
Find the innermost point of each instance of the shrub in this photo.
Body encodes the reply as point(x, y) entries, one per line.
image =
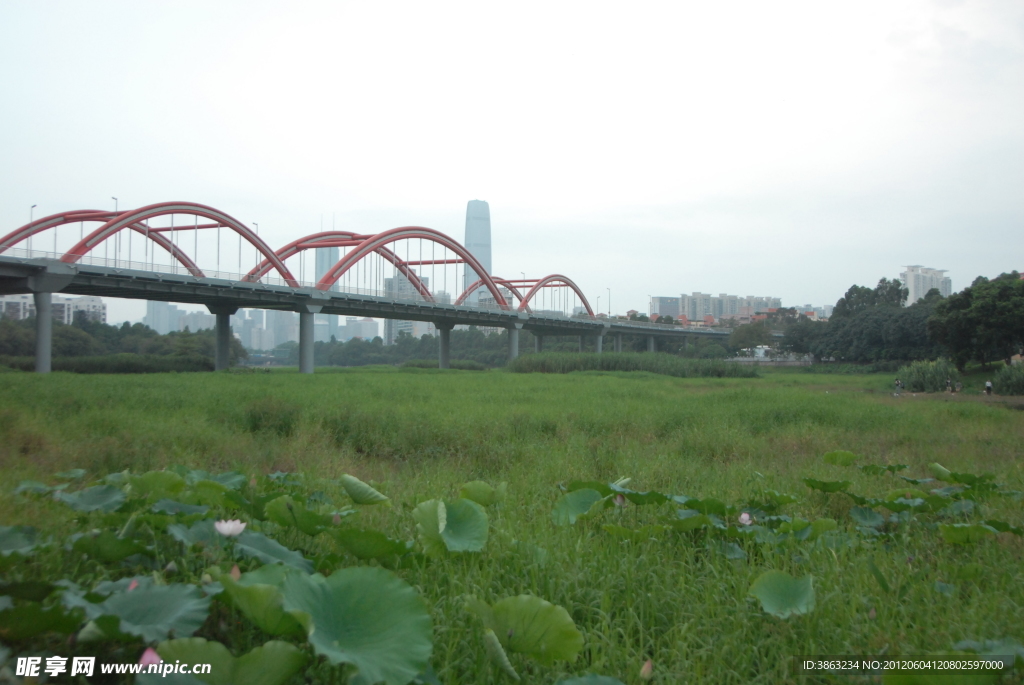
point(460, 364)
point(1009, 380)
point(667, 364)
point(928, 376)
point(271, 415)
point(117, 363)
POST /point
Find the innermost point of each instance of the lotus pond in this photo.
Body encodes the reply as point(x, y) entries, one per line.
point(449, 527)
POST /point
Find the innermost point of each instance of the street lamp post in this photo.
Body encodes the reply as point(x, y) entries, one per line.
point(117, 239)
point(31, 211)
point(258, 235)
point(609, 303)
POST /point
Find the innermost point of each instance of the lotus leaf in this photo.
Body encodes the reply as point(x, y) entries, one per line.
point(29, 620)
point(156, 612)
point(252, 544)
point(360, 492)
point(533, 626)
point(783, 595)
point(157, 483)
point(289, 513)
point(497, 654)
point(965, 533)
point(574, 505)
point(368, 544)
point(272, 664)
point(827, 485)
point(262, 604)
point(459, 526)
point(364, 616)
point(839, 458)
point(18, 539)
point(169, 506)
point(480, 492)
point(866, 517)
point(98, 498)
point(108, 548)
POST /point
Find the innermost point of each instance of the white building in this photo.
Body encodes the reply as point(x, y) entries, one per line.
point(920, 279)
point(63, 308)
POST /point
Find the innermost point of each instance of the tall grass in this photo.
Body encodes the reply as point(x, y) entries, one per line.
point(677, 600)
point(928, 376)
point(665, 364)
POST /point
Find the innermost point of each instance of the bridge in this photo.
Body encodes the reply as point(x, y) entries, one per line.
point(160, 268)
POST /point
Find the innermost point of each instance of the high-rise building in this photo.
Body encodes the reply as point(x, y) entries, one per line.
point(666, 306)
point(478, 242)
point(920, 279)
point(325, 325)
point(400, 288)
point(63, 309)
point(162, 317)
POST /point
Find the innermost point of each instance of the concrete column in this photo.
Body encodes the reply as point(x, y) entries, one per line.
point(444, 347)
point(618, 342)
point(305, 342)
point(44, 332)
point(650, 344)
point(599, 343)
point(538, 342)
point(581, 343)
point(222, 357)
point(513, 343)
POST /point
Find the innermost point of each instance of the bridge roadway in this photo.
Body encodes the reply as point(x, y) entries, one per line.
point(223, 297)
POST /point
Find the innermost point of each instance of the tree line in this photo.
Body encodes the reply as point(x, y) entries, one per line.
point(983, 323)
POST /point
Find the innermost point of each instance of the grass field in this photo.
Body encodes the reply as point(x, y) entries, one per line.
point(676, 598)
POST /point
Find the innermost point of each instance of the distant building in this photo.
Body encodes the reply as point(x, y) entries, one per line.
point(325, 325)
point(666, 306)
point(63, 309)
point(919, 280)
point(478, 242)
point(400, 288)
point(366, 329)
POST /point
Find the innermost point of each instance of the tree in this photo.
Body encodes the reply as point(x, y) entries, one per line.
point(859, 298)
point(983, 322)
point(750, 335)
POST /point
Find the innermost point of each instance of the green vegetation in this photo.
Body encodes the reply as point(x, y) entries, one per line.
point(91, 347)
point(476, 527)
point(118, 363)
point(934, 376)
point(984, 322)
point(1009, 380)
point(660, 363)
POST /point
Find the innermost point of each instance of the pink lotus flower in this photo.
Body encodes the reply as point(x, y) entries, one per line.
point(132, 585)
point(746, 519)
point(230, 529)
point(150, 657)
point(620, 500)
point(236, 573)
point(647, 670)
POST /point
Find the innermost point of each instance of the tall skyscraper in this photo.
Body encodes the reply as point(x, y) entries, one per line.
point(478, 242)
point(326, 257)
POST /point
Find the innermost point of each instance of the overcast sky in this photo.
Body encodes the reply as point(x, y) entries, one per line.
point(788, 148)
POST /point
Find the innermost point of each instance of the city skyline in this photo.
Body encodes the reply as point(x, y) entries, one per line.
point(796, 149)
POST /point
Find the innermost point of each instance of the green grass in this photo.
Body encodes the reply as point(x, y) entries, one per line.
point(418, 434)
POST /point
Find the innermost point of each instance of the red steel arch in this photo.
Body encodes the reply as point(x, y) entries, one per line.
point(128, 218)
point(500, 281)
point(565, 280)
point(342, 239)
point(374, 242)
point(94, 215)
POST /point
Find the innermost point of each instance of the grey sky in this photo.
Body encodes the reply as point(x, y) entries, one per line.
point(789, 149)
